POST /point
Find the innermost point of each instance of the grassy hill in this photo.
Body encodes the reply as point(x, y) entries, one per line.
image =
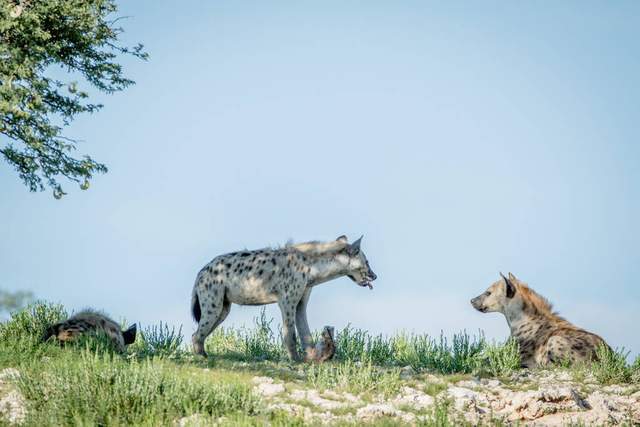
point(247, 380)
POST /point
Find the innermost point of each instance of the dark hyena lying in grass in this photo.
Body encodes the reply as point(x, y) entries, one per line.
point(267, 276)
point(544, 337)
point(90, 321)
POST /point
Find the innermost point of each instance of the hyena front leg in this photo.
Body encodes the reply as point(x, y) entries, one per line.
point(306, 340)
point(213, 310)
point(287, 307)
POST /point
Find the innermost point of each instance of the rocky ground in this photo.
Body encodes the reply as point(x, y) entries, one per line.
point(527, 398)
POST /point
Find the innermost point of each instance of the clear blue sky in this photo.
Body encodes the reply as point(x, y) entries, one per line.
point(462, 139)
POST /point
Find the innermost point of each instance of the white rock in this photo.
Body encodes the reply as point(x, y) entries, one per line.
point(407, 372)
point(531, 405)
point(615, 389)
point(292, 408)
point(191, 421)
point(13, 408)
point(269, 389)
point(376, 410)
point(461, 392)
point(313, 397)
point(262, 380)
point(413, 398)
point(351, 398)
point(491, 383)
point(9, 374)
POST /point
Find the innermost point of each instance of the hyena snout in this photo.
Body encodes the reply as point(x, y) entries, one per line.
point(478, 304)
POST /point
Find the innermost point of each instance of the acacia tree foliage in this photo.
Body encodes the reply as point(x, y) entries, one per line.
point(37, 39)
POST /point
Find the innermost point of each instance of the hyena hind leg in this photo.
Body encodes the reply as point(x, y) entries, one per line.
point(214, 308)
point(289, 329)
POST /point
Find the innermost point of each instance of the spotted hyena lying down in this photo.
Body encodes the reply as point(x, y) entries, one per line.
point(544, 337)
point(284, 276)
point(90, 321)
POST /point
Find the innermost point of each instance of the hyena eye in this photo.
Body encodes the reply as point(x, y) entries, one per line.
point(487, 293)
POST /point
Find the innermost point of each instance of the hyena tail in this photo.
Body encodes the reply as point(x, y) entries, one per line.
point(195, 305)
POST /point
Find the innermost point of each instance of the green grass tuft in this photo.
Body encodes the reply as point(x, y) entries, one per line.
point(611, 366)
point(92, 388)
point(32, 321)
point(354, 377)
point(499, 360)
point(158, 340)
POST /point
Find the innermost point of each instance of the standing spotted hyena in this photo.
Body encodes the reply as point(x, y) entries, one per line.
point(284, 276)
point(544, 337)
point(90, 321)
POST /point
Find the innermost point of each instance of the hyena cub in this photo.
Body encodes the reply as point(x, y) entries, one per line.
point(544, 337)
point(90, 321)
point(326, 347)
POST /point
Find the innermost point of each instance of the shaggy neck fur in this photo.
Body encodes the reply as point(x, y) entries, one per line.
point(529, 312)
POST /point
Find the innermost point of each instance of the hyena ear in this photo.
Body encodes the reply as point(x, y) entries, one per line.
point(342, 239)
point(354, 248)
point(512, 277)
point(510, 288)
point(130, 334)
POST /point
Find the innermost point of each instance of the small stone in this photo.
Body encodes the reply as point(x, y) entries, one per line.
point(491, 383)
point(313, 397)
point(262, 380)
point(407, 372)
point(462, 393)
point(13, 408)
point(413, 398)
point(9, 374)
point(268, 390)
point(376, 410)
point(266, 387)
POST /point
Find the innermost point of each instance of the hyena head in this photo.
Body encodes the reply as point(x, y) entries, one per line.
point(498, 297)
point(358, 268)
point(328, 333)
point(129, 336)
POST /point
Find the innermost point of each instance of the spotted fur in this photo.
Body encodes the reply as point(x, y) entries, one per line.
point(284, 276)
point(90, 321)
point(543, 336)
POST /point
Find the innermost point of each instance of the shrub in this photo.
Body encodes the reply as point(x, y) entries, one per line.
point(635, 371)
point(32, 321)
point(158, 340)
point(249, 344)
point(499, 360)
point(261, 343)
point(356, 377)
point(418, 351)
point(611, 365)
